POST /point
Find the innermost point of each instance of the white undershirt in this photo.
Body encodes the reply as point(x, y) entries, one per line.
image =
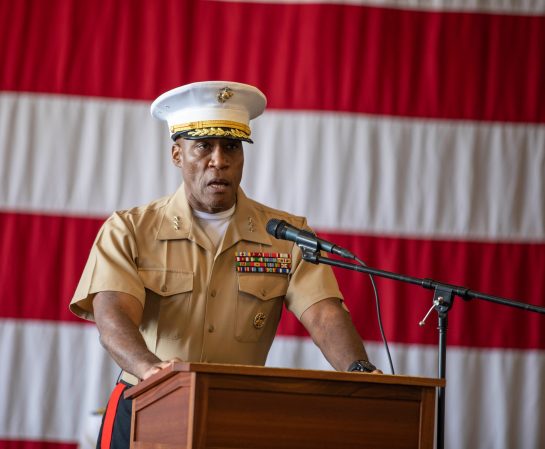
point(214, 225)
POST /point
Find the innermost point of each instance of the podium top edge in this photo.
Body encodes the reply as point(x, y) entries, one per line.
point(263, 371)
point(266, 371)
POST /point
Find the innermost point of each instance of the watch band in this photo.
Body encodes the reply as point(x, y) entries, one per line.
point(363, 366)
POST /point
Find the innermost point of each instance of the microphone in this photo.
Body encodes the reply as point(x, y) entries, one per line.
point(282, 230)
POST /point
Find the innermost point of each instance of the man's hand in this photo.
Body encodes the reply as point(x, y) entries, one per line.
point(331, 328)
point(155, 368)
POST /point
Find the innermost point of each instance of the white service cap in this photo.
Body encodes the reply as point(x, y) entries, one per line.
point(210, 109)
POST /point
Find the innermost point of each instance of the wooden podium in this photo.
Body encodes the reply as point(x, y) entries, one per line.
point(196, 405)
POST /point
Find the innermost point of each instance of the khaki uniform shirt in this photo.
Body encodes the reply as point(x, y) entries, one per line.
point(196, 306)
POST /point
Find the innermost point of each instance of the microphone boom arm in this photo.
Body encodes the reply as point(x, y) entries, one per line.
point(430, 284)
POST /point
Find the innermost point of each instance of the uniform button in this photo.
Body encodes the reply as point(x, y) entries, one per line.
point(213, 293)
point(211, 328)
point(259, 320)
point(263, 292)
point(163, 288)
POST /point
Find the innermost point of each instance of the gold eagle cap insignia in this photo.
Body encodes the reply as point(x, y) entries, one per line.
point(224, 94)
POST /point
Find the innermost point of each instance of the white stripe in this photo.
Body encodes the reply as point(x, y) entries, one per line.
point(345, 172)
point(53, 375)
point(80, 156)
point(494, 398)
point(397, 176)
point(533, 7)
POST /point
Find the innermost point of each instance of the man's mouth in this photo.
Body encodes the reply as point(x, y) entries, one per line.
point(218, 184)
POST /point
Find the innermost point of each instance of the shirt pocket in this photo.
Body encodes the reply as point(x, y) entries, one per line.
point(259, 305)
point(168, 294)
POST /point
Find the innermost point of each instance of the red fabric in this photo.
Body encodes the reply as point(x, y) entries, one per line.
point(402, 63)
point(476, 265)
point(42, 257)
point(109, 417)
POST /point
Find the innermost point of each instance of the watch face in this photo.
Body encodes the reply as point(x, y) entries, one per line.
point(362, 366)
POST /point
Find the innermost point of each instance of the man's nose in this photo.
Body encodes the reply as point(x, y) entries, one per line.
point(219, 157)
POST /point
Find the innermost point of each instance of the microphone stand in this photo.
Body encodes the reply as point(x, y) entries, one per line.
point(443, 299)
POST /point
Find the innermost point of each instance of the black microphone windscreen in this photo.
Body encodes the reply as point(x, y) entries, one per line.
point(272, 226)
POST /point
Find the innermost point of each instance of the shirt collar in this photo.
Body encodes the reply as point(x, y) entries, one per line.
point(246, 224)
point(177, 220)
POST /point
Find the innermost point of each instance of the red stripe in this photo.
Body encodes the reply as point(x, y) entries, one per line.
point(319, 57)
point(42, 258)
point(26, 444)
point(109, 417)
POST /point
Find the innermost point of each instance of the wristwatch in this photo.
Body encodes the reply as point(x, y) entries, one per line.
point(364, 366)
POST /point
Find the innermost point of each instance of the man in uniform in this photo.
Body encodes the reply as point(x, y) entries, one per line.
point(195, 276)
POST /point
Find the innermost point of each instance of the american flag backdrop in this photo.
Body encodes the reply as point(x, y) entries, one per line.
point(411, 132)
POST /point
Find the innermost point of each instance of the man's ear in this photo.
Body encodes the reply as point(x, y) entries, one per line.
point(177, 155)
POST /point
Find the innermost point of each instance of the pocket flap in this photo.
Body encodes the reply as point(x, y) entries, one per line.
point(263, 286)
point(167, 283)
